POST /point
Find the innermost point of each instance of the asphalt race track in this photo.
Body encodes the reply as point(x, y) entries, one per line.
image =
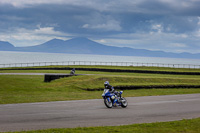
point(84, 113)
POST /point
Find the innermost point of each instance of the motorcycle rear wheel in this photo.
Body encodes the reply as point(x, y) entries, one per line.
point(108, 103)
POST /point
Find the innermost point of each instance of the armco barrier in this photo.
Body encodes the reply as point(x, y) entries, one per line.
point(138, 71)
point(50, 77)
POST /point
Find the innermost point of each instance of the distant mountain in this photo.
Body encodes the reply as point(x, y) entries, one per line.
point(6, 46)
point(82, 45)
point(73, 46)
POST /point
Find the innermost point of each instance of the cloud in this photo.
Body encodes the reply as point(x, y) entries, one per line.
point(199, 21)
point(148, 24)
point(157, 27)
point(26, 37)
point(175, 45)
point(168, 42)
point(27, 3)
point(31, 3)
point(48, 31)
point(136, 6)
point(110, 25)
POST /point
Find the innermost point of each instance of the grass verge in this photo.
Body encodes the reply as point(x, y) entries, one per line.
point(182, 126)
point(27, 88)
point(121, 67)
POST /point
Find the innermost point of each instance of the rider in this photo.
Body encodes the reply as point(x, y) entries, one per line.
point(112, 90)
point(73, 71)
point(108, 86)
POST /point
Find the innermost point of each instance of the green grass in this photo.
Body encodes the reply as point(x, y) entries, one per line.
point(182, 126)
point(26, 89)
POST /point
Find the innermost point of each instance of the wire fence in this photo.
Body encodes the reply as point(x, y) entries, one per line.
point(94, 63)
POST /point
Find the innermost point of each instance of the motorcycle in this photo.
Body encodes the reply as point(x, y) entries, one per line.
point(114, 99)
point(72, 72)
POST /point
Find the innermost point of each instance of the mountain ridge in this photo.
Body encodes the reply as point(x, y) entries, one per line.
point(6, 46)
point(81, 45)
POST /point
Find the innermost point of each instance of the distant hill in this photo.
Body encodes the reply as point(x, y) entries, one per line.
point(6, 46)
point(82, 45)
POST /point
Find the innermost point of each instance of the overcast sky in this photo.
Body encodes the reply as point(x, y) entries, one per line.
point(167, 25)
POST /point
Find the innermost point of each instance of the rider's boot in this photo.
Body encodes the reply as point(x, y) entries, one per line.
point(115, 103)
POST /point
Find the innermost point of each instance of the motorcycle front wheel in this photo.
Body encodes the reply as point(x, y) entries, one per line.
point(124, 102)
point(108, 103)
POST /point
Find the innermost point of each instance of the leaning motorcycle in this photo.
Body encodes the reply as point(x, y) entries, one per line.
point(114, 99)
point(72, 72)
